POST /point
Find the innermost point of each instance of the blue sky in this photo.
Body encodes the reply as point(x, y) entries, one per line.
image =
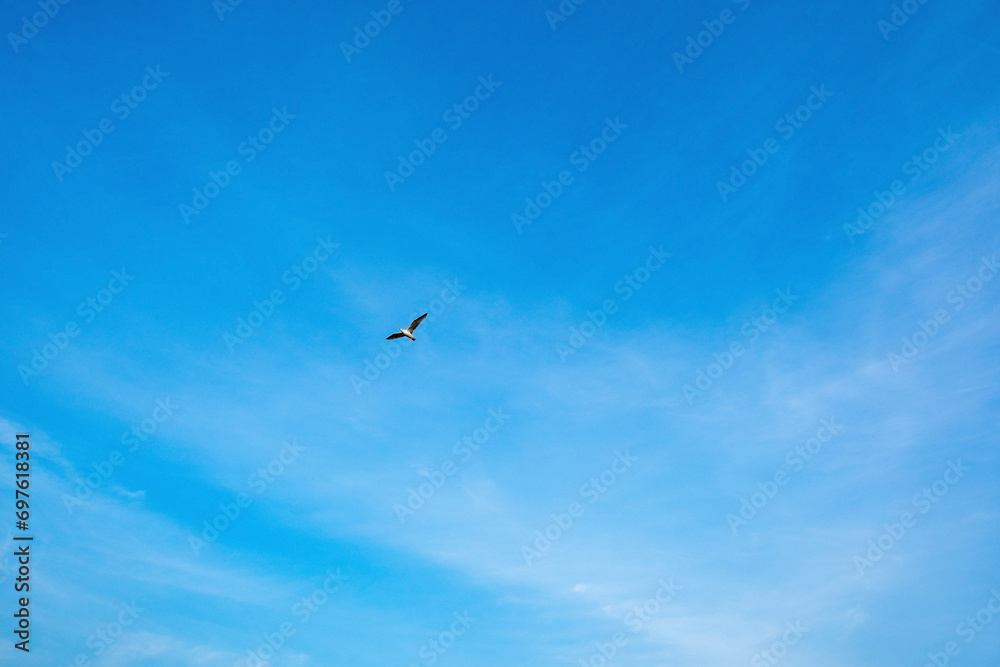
point(650, 355)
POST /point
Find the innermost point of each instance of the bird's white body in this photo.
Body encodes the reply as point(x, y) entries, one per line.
point(407, 333)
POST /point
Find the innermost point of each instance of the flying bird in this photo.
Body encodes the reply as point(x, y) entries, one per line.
point(408, 332)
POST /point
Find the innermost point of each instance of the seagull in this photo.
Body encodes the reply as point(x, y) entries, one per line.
point(408, 332)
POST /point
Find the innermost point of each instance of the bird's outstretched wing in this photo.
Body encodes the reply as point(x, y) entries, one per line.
point(416, 323)
point(395, 336)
